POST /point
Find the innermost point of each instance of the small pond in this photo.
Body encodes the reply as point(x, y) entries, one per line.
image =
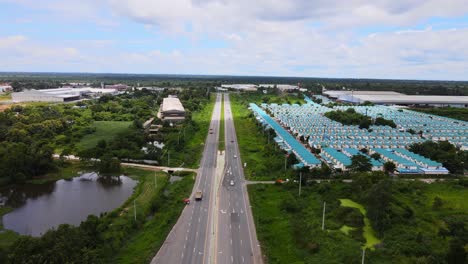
point(40, 207)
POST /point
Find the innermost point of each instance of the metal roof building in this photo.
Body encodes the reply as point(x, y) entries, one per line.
point(171, 110)
point(432, 100)
point(46, 95)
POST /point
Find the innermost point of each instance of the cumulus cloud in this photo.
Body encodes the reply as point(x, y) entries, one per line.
point(271, 37)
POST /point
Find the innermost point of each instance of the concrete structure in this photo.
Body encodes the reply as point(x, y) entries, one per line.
point(171, 110)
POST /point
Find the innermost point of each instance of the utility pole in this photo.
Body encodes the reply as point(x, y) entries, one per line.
point(155, 182)
point(363, 255)
point(323, 216)
point(300, 182)
point(134, 209)
point(285, 160)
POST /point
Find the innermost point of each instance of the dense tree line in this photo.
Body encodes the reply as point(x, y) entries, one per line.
point(452, 112)
point(313, 84)
point(351, 117)
point(28, 136)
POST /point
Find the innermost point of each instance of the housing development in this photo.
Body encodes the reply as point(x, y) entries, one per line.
point(338, 142)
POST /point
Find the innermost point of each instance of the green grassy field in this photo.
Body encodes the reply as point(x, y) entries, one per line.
point(368, 232)
point(221, 144)
point(105, 130)
point(289, 227)
point(265, 161)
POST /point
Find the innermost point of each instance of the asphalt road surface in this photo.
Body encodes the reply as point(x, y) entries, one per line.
point(188, 242)
point(236, 238)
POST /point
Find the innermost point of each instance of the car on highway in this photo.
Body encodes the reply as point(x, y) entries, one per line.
point(231, 183)
point(235, 156)
point(198, 196)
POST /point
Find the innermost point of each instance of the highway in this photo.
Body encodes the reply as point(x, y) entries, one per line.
point(188, 241)
point(236, 237)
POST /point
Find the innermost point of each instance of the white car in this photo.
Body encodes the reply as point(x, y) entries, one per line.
point(231, 183)
point(235, 156)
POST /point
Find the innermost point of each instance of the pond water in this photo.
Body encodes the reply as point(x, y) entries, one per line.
point(40, 207)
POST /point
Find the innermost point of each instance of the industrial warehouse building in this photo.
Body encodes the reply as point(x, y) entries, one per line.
point(171, 110)
point(58, 94)
point(394, 98)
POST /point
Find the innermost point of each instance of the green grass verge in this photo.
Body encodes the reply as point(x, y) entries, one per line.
point(222, 137)
point(105, 130)
point(5, 97)
point(143, 244)
point(265, 161)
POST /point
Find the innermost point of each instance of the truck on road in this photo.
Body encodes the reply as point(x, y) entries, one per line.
point(198, 196)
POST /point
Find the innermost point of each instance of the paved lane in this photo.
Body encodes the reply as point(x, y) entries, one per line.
point(188, 241)
point(237, 241)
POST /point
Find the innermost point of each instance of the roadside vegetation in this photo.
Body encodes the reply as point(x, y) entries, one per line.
point(264, 159)
point(115, 236)
point(184, 142)
point(452, 112)
point(408, 221)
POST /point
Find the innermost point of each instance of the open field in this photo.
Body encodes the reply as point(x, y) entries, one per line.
point(105, 130)
point(289, 227)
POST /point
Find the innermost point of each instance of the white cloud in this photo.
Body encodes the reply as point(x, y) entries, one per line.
point(265, 37)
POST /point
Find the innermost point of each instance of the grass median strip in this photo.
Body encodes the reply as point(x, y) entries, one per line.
point(221, 145)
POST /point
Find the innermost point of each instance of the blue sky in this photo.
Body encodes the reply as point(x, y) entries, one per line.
point(411, 39)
